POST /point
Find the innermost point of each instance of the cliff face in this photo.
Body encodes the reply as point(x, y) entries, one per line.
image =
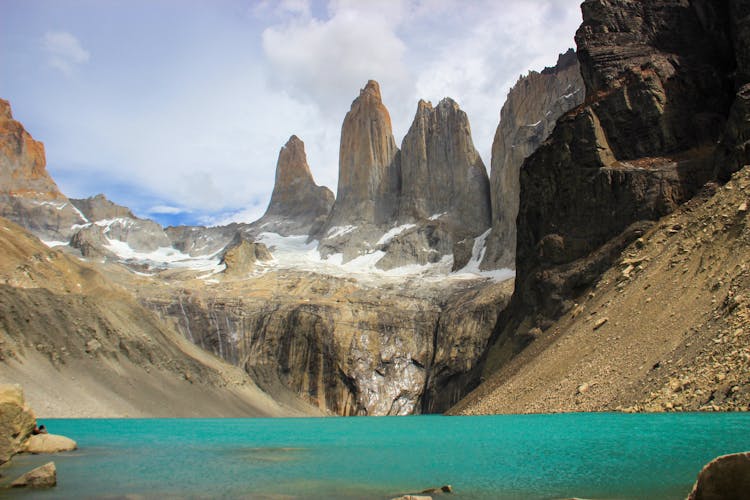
point(656, 78)
point(442, 174)
point(346, 348)
point(665, 329)
point(368, 183)
point(527, 119)
point(28, 195)
point(298, 205)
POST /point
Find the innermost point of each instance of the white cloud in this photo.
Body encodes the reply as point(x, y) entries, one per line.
point(64, 51)
point(324, 61)
point(166, 210)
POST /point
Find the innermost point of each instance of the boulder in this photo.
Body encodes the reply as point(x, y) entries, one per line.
point(41, 477)
point(49, 443)
point(17, 421)
point(725, 477)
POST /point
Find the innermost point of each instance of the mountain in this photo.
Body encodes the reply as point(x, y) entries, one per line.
point(664, 86)
point(83, 346)
point(368, 183)
point(28, 195)
point(298, 205)
point(665, 329)
point(527, 118)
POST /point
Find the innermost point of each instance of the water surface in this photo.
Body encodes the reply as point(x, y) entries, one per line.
point(530, 457)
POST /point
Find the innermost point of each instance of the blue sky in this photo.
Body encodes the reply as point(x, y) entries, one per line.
point(178, 108)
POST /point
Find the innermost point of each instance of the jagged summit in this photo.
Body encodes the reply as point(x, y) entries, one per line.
point(368, 163)
point(298, 205)
point(372, 88)
point(442, 173)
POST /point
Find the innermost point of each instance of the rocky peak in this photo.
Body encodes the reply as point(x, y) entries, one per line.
point(442, 173)
point(100, 208)
point(22, 161)
point(298, 205)
point(368, 163)
point(527, 118)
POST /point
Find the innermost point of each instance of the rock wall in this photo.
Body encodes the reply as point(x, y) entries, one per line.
point(658, 79)
point(369, 171)
point(527, 118)
point(442, 174)
point(346, 348)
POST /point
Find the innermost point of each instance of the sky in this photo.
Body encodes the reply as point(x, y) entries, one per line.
point(178, 108)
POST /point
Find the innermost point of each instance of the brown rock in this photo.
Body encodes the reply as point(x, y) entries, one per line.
point(241, 255)
point(724, 477)
point(41, 477)
point(17, 421)
point(442, 172)
point(368, 163)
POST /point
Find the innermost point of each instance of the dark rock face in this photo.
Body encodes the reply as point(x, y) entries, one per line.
point(656, 77)
point(527, 119)
point(442, 173)
point(724, 477)
point(298, 205)
point(369, 175)
point(100, 208)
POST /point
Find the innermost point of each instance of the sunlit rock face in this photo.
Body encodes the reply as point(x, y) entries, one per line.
point(369, 178)
point(28, 195)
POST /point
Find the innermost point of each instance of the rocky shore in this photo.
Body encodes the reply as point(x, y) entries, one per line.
point(19, 434)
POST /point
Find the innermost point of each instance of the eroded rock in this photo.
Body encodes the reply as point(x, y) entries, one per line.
point(41, 477)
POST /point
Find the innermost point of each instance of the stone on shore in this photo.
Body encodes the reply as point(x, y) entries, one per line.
point(41, 477)
point(727, 476)
point(412, 497)
point(49, 443)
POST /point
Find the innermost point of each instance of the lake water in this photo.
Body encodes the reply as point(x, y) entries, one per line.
point(535, 456)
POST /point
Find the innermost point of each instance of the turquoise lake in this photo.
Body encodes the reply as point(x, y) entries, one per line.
point(531, 456)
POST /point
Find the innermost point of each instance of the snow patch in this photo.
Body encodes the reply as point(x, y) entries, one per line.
point(337, 231)
point(471, 269)
point(55, 243)
point(387, 237)
point(164, 258)
point(436, 216)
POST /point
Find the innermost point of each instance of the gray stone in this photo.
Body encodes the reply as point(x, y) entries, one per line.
point(41, 477)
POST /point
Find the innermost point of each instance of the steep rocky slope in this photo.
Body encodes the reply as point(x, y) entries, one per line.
point(667, 328)
point(527, 118)
point(82, 346)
